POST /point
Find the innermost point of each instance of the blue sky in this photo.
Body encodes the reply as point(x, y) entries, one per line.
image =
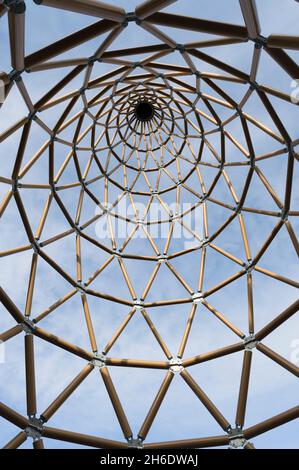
point(272, 388)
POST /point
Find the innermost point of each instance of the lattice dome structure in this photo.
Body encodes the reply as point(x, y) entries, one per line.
point(148, 213)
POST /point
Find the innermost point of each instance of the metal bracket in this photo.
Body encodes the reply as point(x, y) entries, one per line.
point(260, 41)
point(284, 215)
point(99, 360)
point(32, 115)
point(236, 438)
point(138, 304)
point(162, 258)
point(131, 16)
point(249, 267)
point(28, 326)
point(250, 342)
point(17, 6)
point(35, 428)
point(176, 364)
point(35, 246)
point(197, 298)
point(80, 287)
point(15, 186)
point(180, 48)
point(135, 443)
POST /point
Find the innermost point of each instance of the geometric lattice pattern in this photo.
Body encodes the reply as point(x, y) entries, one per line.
point(165, 125)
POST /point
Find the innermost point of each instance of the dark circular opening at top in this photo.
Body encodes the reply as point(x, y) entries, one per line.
point(144, 111)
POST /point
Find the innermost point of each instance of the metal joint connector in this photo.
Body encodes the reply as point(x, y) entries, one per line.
point(36, 246)
point(180, 48)
point(138, 304)
point(99, 360)
point(175, 364)
point(236, 438)
point(197, 298)
point(17, 6)
point(250, 342)
point(135, 443)
point(131, 16)
point(28, 326)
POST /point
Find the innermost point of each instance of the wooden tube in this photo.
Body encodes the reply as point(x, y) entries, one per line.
point(219, 64)
point(244, 236)
point(16, 441)
point(268, 241)
point(250, 304)
point(151, 280)
point(11, 130)
point(243, 391)
point(68, 42)
point(57, 268)
point(292, 236)
point(224, 283)
point(30, 375)
point(24, 217)
point(124, 424)
point(223, 319)
point(271, 423)
point(21, 150)
point(156, 334)
point(5, 202)
point(61, 343)
point(202, 268)
point(11, 307)
point(195, 24)
point(55, 305)
point(83, 439)
point(38, 445)
point(15, 330)
point(226, 254)
point(119, 331)
point(87, 7)
point(59, 86)
point(249, 445)
point(187, 331)
point(16, 22)
point(15, 418)
point(213, 441)
point(127, 279)
point(31, 284)
point(155, 406)
point(278, 359)
point(78, 258)
point(158, 33)
point(283, 41)
point(135, 50)
point(179, 278)
point(213, 354)
point(137, 363)
point(277, 276)
point(284, 61)
point(3, 10)
point(205, 400)
point(65, 394)
point(250, 15)
point(43, 217)
point(89, 323)
point(285, 315)
point(149, 7)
